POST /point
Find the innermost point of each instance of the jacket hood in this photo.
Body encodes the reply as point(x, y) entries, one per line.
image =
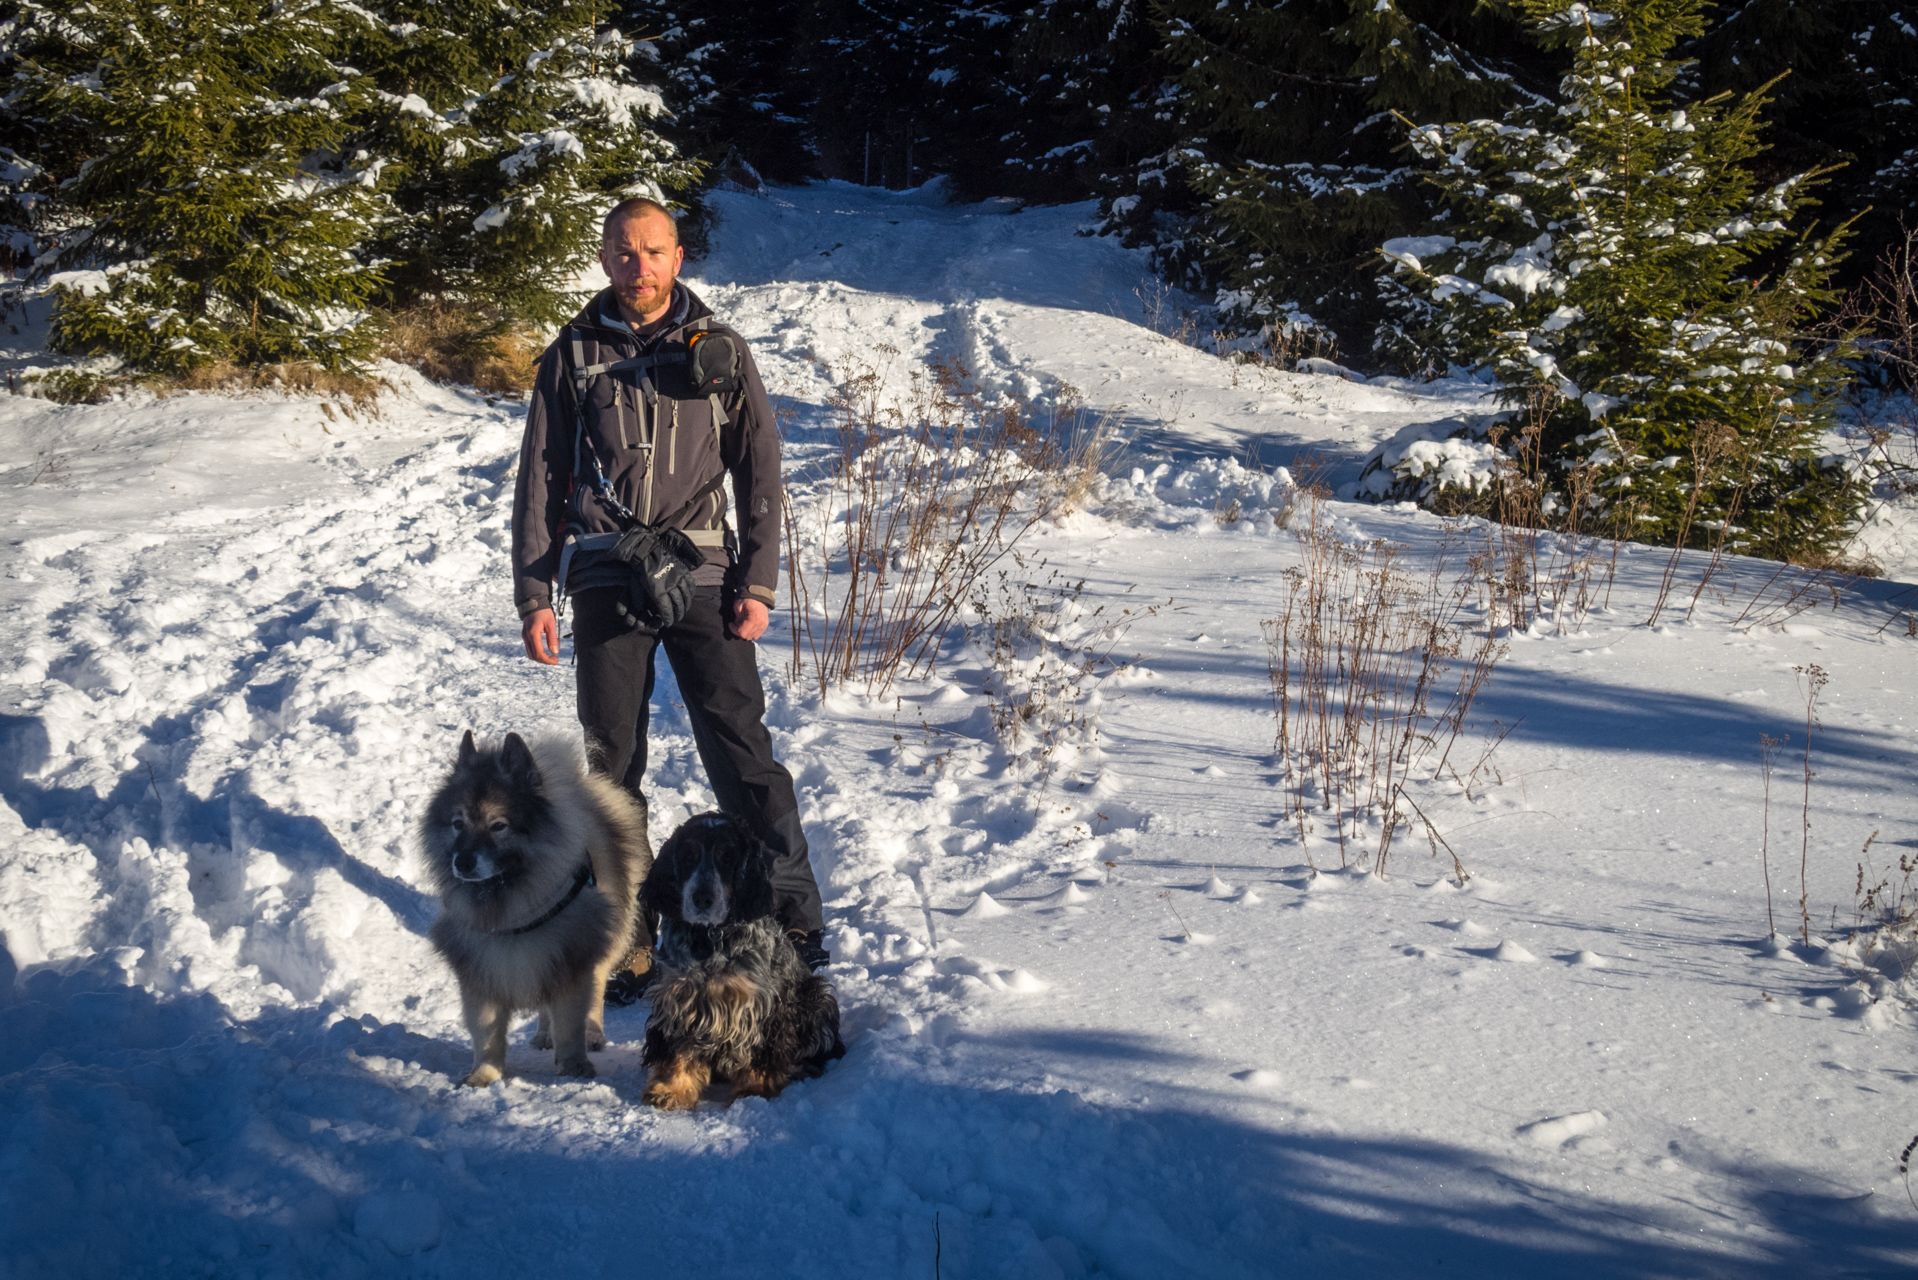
point(684, 300)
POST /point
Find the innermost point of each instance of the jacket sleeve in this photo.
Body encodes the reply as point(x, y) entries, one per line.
point(539, 491)
point(758, 490)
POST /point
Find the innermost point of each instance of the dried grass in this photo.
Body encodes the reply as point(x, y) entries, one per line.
point(927, 491)
point(356, 392)
point(467, 346)
point(1374, 671)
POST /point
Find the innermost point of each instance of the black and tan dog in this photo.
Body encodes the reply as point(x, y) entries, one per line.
point(733, 1001)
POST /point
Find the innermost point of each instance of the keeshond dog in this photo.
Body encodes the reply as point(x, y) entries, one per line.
point(537, 863)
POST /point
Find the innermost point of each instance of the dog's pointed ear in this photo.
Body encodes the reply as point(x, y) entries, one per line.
point(467, 749)
point(753, 889)
point(518, 762)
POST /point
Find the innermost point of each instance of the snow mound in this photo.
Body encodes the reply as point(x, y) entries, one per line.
point(1248, 898)
point(1217, 888)
point(1512, 953)
point(1469, 928)
point(1588, 960)
point(985, 907)
point(1559, 1130)
point(1069, 896)
point(1022, 980)
point(1259, 1078)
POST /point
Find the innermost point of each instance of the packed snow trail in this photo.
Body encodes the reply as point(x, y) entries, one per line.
point(1108, 1027)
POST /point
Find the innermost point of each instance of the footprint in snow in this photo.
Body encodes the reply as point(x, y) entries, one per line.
point(1559, 1130)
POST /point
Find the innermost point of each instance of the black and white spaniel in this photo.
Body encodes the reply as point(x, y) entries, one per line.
point(733, 1000)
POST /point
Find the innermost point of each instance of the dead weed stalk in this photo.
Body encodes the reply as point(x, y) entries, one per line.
point(924, 495)
point(1374, 670)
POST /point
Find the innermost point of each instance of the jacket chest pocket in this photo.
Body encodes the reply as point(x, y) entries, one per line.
point(684, 440)
point(612, 413)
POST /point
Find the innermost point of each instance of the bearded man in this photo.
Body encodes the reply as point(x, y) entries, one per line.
point(643, 405)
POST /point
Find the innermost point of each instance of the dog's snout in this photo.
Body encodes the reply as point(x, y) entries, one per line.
point(465, 863)
point(704, 900)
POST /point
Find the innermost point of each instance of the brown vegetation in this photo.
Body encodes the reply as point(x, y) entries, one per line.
point(477, 347)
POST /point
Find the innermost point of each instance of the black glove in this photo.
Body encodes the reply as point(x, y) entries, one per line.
point(660, 590)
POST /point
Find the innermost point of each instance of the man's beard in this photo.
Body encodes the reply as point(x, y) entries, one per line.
point(641, 299)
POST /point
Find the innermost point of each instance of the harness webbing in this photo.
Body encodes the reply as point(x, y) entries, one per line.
point(586, 457)
point(580, 881)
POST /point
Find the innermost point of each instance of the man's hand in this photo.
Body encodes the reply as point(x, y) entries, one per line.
point(750, 617)
point(540, 634)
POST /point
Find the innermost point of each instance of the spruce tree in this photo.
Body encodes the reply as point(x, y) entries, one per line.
point(1843, 78)
point(188, 166)
point(1596, 258)
point(506, 131)
point(731, 73)
point(1085, 109)
point(1287, 137)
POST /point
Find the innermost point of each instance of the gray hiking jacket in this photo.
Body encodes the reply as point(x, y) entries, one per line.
point(656, 456)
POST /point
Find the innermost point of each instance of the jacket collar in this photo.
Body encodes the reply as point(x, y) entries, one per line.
point(601, 312)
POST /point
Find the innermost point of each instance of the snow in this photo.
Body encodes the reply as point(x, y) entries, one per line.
point(1115, 1026)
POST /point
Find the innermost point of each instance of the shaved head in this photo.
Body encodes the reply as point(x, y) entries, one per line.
point(637, 207)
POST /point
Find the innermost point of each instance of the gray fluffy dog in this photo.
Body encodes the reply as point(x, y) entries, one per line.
point(537, 863)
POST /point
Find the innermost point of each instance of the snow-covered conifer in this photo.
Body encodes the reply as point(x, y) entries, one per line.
point(1596, 260)
point(734, 72)
point(509, 129)
point(187, 179)
point(1286, 135)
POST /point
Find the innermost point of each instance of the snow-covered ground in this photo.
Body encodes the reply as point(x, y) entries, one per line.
point(244, 636)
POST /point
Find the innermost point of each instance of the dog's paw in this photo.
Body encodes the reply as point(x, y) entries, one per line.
point(480, 1077)
point(755, 1084)
point(542, 1039)
point(595, 1039)
point(581, 1068)
point(669, 1098)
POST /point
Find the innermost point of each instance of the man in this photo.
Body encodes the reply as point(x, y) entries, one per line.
point(653, 443)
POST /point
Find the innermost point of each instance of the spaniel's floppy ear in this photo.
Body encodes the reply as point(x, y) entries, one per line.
point(752, 895)
point(659, 891)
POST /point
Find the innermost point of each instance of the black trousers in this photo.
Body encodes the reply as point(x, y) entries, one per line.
point(718, 673)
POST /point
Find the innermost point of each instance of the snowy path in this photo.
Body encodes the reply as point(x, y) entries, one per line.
point(246, 636)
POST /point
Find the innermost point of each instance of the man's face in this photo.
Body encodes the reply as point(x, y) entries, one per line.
point(641, 255)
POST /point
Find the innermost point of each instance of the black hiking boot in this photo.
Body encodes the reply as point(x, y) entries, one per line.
point(811, 948)
point(629, 982)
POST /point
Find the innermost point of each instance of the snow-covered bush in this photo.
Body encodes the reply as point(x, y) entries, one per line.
point(1598, 256)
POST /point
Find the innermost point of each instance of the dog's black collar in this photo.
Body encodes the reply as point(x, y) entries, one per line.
point(580, 881)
